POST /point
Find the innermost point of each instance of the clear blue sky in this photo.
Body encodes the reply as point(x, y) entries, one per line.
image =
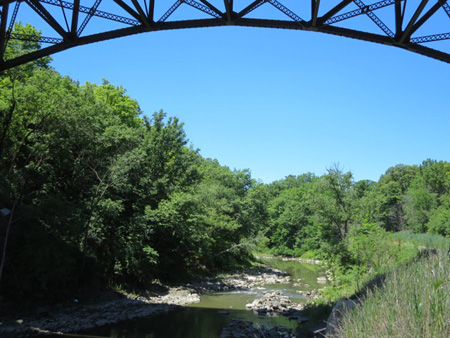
point(282, 102)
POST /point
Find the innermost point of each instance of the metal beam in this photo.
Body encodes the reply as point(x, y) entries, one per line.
point(129, 10)
point(7, 35)
point(406, 33)
point(398, 18)
point(141, 12)
point(75, 16)
point(13, 17)
point(314, 11)
point(142, 20)
point(88, 17)
point(97, 13)
point(425, 17)
point(381, 39)
point(287, 11)
point(151, 11)
point(229, 10)
point(446, 8)
point(203, 8)
point(250, 8)
point(36, 38)
point(64, 15)
point(431, 38)
point(359, 11)
point(38, 8)
point(3, 23)
point(336, 9)
point(170, 11)
point(212, 7)
point(374, 18)
point(108, 36)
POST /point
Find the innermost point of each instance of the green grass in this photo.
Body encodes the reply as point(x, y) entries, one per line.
point(426, 240)
point(413, 301)
point(385, 254)
point(310, 254)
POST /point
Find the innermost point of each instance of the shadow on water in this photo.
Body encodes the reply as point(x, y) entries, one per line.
point(187, 323)
point(217, 309)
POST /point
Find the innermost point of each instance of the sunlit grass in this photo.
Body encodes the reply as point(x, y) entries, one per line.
point(413, 301)
point(426, 240)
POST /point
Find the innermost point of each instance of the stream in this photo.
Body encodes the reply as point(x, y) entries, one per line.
point(215, 310)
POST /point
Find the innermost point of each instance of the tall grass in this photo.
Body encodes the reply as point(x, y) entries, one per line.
point(375, 256)
point(426, 240)
point(414, 301)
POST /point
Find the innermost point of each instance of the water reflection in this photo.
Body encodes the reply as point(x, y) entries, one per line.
point(187, 323)
point(207, 318)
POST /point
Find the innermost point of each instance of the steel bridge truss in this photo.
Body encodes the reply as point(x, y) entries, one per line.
point(407, 24)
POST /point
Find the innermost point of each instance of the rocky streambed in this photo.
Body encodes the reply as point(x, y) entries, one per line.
point(83, 315)
point(238, 328)
point(275, 303)
point(265, 287)
point(244, 280)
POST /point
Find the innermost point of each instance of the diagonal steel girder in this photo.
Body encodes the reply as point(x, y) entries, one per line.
point(138, 17)
point(374, 18)
point(88, 17)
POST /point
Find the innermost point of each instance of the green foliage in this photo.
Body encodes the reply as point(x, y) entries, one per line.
point(291, 228)
point(439, 222)
point(346, 222)
point(364, 244)
point(203, 229)
point(17, 48)
point(418, 205)
point(119, 198)
point(114, 98)
point(389, 199)
point(333, 202)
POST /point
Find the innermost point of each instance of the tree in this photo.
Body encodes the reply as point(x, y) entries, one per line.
point(333, 201)
point(291, 224)
point(118, 101)
point(418, 204)
point(388, 196)
point(439, 221)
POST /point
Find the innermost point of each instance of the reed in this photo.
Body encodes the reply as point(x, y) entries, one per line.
point(413, 301)
point(426, 240)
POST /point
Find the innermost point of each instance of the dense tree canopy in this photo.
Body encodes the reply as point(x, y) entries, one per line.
point(96, 192)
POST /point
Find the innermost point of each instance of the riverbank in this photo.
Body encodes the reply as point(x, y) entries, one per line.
point(410, 301)
point(110, 307)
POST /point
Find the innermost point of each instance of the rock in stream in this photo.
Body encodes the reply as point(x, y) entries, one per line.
point(241, 329)
point(275, 303)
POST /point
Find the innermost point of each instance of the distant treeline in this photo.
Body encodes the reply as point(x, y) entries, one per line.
point(93, 192)
point(317, 213)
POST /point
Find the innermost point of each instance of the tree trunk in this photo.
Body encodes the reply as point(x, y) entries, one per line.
point(5, 243)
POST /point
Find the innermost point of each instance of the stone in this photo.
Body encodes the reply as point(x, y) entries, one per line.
point(239, 328)
point(339, 310)
point(321, 279)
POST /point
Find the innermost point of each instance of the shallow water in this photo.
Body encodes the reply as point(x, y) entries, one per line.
point(203, 320)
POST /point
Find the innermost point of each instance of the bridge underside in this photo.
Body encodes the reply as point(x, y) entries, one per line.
point(414, 25)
